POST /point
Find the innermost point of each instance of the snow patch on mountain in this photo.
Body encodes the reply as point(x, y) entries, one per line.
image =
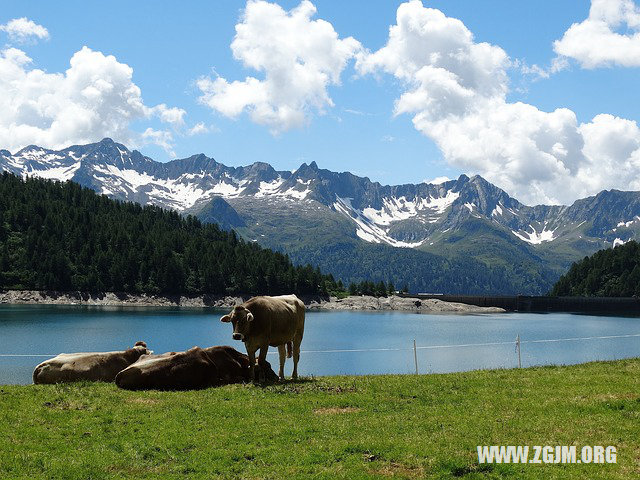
point(62, 173)
point(227, 190)
point(133, 178)
point(534, 237)
point(629, 223)
point(366, 230)
point(269, 188)
point(293, 193)
point(394, 209)
point(617, 242)
point(180, 196)
point(397, 209)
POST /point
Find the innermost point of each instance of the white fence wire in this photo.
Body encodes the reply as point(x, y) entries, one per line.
point(399, 349)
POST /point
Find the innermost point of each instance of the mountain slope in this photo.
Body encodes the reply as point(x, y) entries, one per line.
point(64, 237)
point(474, 234)
point(614, 272)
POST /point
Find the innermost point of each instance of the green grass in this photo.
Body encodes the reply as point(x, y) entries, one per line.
point(334, 427)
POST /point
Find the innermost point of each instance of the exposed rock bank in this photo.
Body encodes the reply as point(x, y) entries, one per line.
point(313, 303)
point(116, 299)
point(399, 303)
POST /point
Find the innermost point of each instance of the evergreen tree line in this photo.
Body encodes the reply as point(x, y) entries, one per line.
point(366, 287)
point(614, 272)
point(380, 289)
point(64, 237)
point(420, 271)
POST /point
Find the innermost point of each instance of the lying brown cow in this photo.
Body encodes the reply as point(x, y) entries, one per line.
point(263, 321)
point(97, 366)
point(193, 369)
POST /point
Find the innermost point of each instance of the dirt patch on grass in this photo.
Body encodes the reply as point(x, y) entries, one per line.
point(394, 469)
point(143, 401)
point(335, 410)
point(615, 396)
point(60, 404)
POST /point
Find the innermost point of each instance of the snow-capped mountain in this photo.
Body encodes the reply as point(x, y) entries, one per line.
point(311, 208)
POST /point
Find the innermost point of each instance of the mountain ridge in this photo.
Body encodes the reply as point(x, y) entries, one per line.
point(310, 209)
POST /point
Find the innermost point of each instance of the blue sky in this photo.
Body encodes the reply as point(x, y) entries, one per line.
point(170, 45)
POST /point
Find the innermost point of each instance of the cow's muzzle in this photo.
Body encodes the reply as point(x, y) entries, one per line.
point(238, 336)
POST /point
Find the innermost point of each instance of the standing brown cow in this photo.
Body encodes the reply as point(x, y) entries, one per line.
point(263, 321)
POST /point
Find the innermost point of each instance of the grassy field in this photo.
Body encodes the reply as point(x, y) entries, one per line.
point(334, 427)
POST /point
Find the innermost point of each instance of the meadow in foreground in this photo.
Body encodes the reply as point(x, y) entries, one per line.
point(398, 426)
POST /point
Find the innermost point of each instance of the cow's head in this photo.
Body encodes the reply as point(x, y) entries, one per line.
point(142, 348)
point(241, 319)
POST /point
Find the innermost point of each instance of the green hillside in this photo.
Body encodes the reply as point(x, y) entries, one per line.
point(61, 236)
point(614, 272)
point(468, 261)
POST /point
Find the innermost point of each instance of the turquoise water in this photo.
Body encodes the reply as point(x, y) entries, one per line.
point(42, 330)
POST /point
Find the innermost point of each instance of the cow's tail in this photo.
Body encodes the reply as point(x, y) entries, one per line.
point(289, 349)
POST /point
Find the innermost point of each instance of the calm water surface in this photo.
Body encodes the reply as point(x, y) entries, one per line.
point(34, 329)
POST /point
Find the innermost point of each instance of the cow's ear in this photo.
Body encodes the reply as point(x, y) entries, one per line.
point(249, 316)
point(226, 318)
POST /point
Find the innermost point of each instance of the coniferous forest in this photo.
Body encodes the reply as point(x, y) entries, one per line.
point(614, 272)
point(64, 237)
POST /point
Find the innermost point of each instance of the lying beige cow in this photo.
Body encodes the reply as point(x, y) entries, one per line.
point(263, 321)
point(96, 366)
point(196, 368)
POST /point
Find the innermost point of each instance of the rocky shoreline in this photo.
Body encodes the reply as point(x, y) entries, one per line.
point(400, 303)
point(224, 301)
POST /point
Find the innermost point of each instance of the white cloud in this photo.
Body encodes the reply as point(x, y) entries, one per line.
point(94, 98)
point(359, 113)
point(300, 59)
point(437, 180)
point(22, 30)
point(171, 115)
point(162, 138)
point(609, 36)
point(455, 89)
point(198, 129)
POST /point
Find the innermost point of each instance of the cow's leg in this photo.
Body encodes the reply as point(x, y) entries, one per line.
point(251, 353)
point(262, 358)
point(283, 358)
point(296, 356)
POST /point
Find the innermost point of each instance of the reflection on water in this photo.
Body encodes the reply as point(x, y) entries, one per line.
point(34, 329)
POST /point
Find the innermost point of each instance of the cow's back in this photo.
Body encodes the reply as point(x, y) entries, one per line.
point(277, 319)
point(299, 310)
point(172, 371)
point(93, 366)
point(232, 366)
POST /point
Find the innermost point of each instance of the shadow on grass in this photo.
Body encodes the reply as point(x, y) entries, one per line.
point(461, 470)
point(286, 382)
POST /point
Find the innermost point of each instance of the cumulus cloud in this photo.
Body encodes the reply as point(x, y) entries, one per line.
point(437, 180)
point(22, 30)
point(299, 57)
point(172, 115)
point(198, 128)
point(162, 138)
point(455, 89)
point(95, 98)
point(609, 36)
